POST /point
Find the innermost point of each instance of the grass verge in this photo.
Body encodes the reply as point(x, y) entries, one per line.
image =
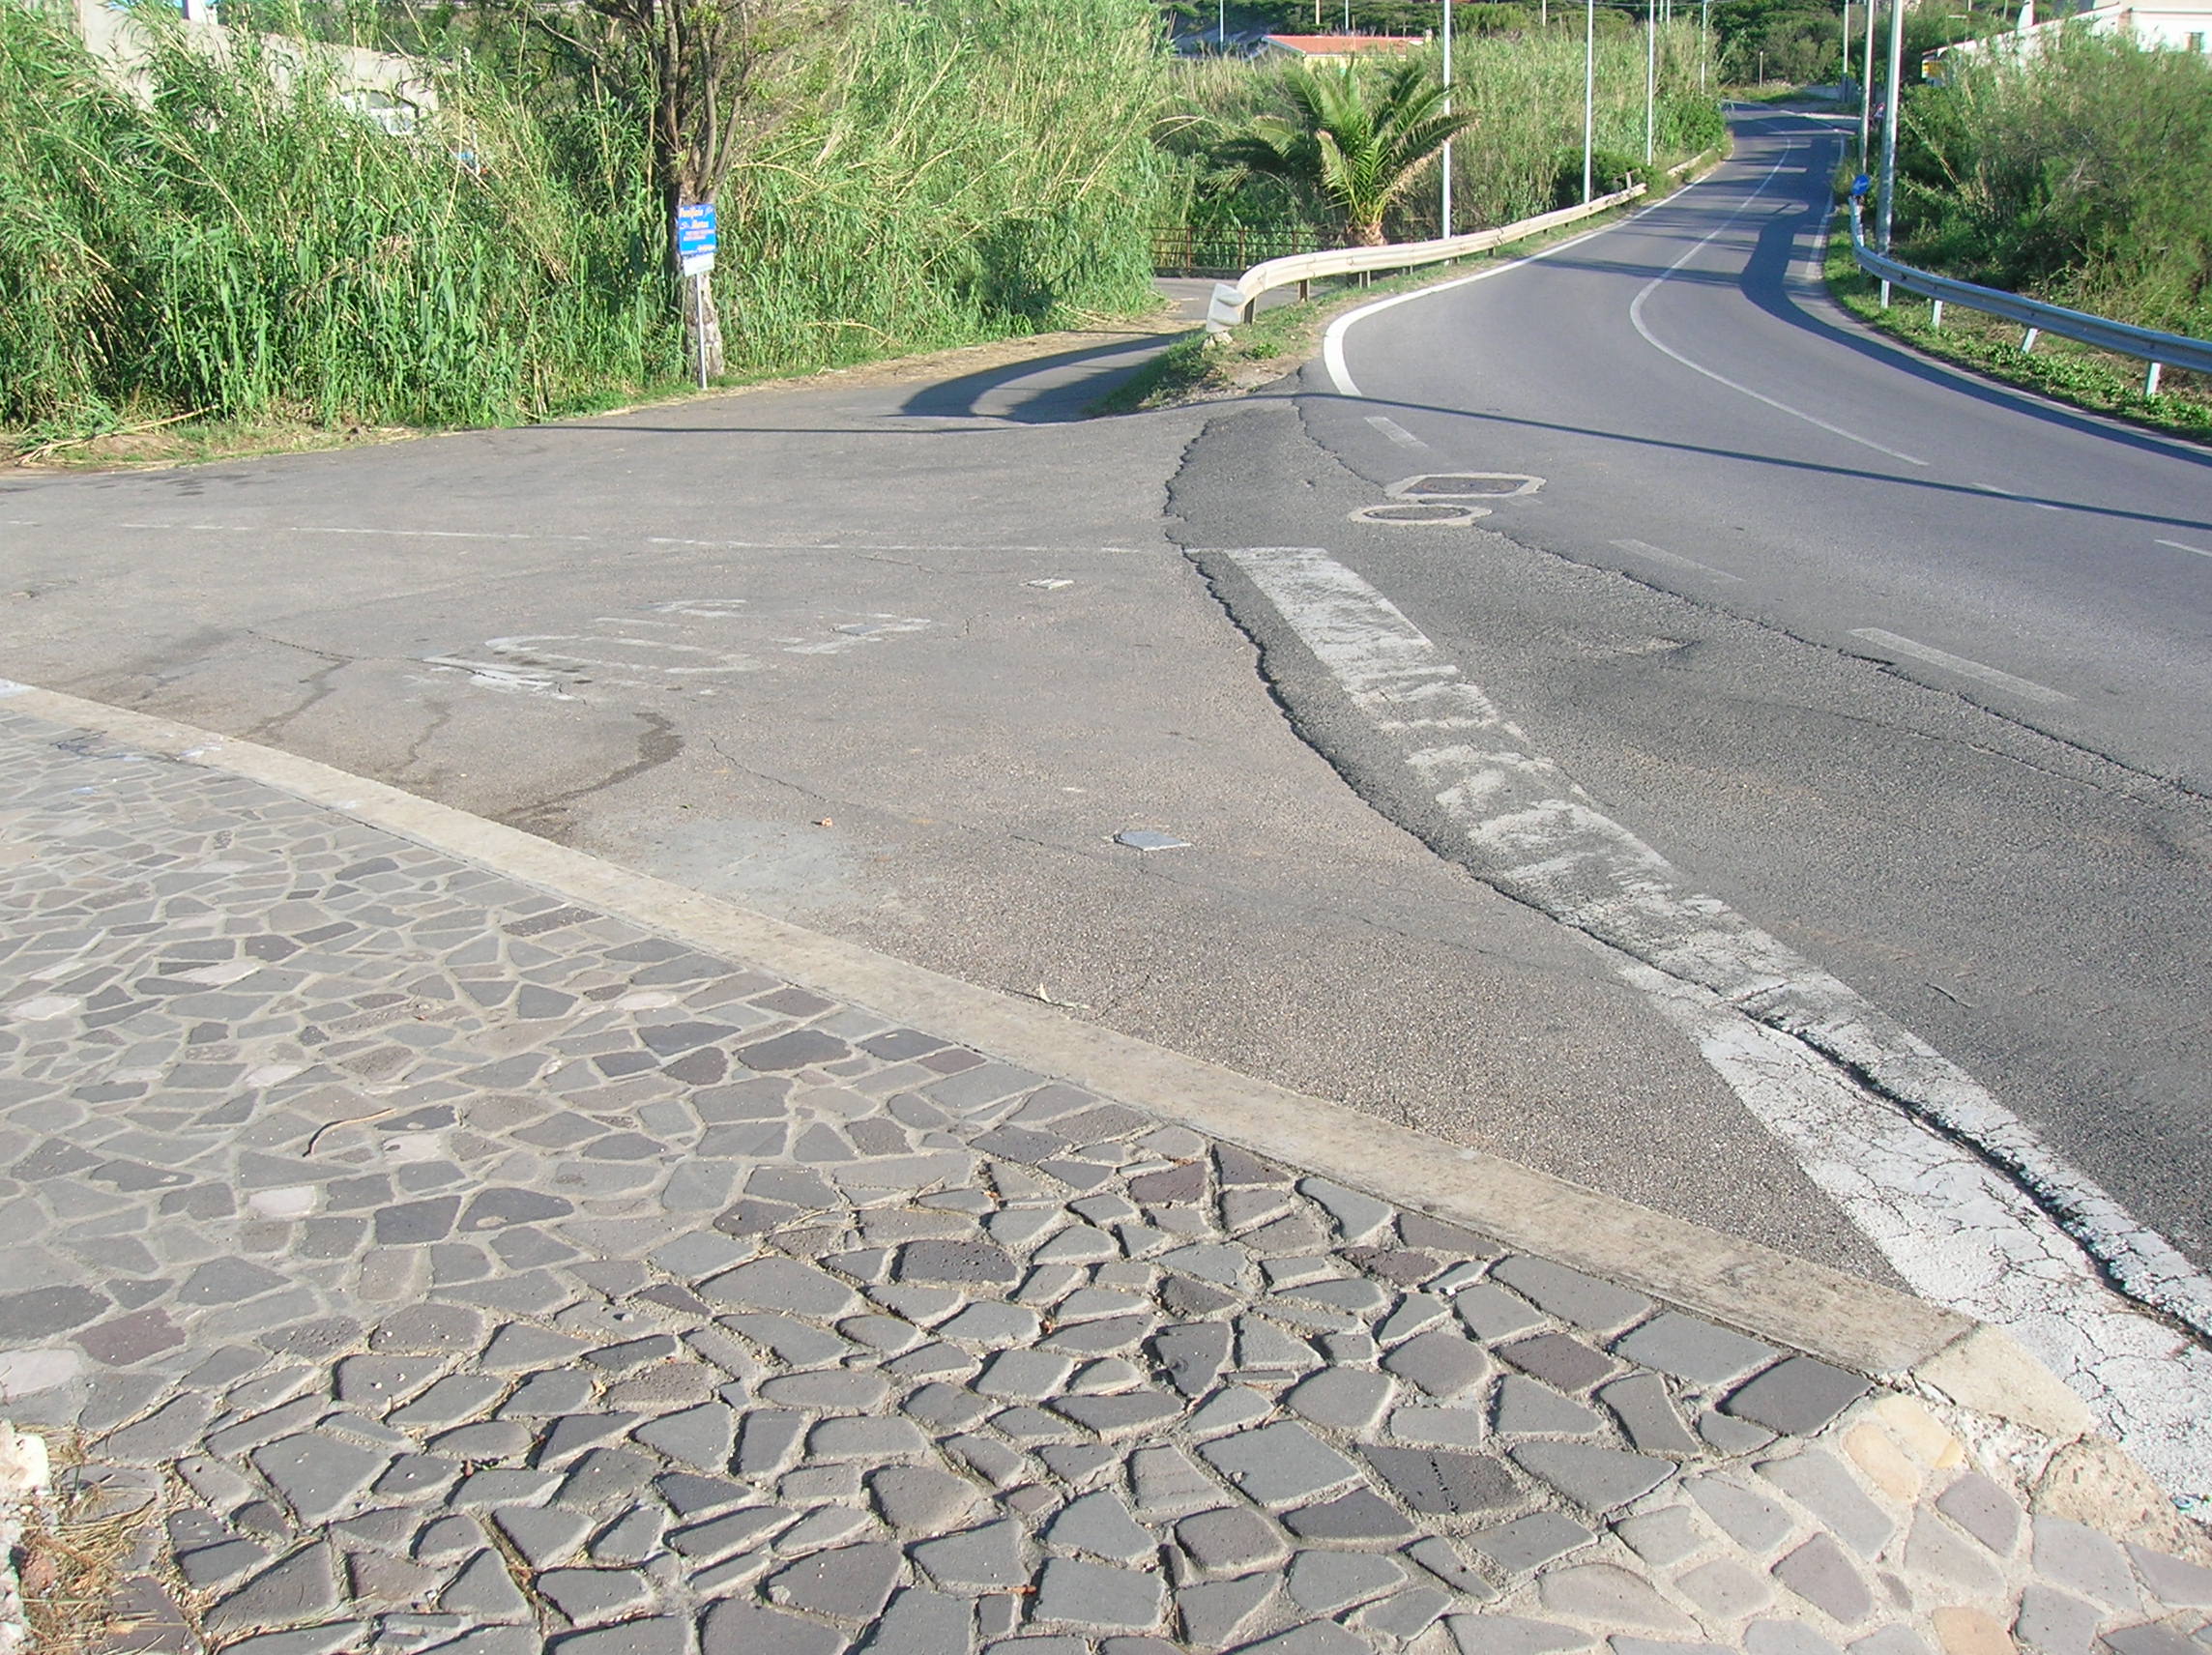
point(71, 1558)
point(2060, 370)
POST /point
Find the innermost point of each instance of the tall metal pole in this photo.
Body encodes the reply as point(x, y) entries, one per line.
point(1889, 128)
point(1589, 88)
point(1704, 41)
point(1221, 26)
point(1844, 82)
point(1866, 90)
point(1446, 216)
point(1650, 71)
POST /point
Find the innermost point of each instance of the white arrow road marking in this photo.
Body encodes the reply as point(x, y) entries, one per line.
point(1879, 1118)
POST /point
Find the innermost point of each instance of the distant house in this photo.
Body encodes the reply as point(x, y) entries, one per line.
point(1346, 48)
point(383, 87)
point(2175, 25)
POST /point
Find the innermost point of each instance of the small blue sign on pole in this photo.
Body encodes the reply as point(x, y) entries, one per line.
point(696, 238)
point(1860, 186)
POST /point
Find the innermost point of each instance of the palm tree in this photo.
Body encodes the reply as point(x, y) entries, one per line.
point(1360, 147)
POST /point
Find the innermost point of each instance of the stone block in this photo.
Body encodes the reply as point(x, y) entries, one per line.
point(1569, 1295)
point(1797, 1395)
point(1596, 1478)
point(1822, 1572)
point(1529, 1542)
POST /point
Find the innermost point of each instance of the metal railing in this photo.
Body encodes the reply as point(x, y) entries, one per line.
point(2122, 338)
point(1233, 301)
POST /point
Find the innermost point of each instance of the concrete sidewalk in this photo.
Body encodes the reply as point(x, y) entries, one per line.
point(458, 1243)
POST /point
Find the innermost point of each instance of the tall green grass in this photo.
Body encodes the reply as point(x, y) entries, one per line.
point(242, 244)
point(1525, 90)
point(2081, 175)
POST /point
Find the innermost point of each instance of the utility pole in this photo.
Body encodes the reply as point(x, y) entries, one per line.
point(1589, 88)
point(1866, 90)
point(1704, 41)
point(1650, 73)
point(1890, 132)
point(1446, 215)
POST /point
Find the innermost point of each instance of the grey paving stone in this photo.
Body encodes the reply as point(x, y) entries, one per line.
point(921, 1499)
point(1596, 1478)
point(318, 1477)
point(1279, 1465)
point(1889, 1640)
point(652, 1635)
point(543, 1536)
point(631, 1538)
point(1115, 1417)
point(2149, 1639)
point(484, 1590)
point(1646, 1412)
point(1620, 1644)
point(2172, 1580)
point(303, 1586)
point(2055, 1622)
point(1936, 1553)
point(736, 1627)
point(1529, 1542)
point(1444, 1481)
point(1513, 1635)
point(782, 1285)
point(1751, 1518)
point(1315, 1638)
point(1221, 1265)
point(590, 1596)
point(1214, 1614)
point(1569, 1295)
point(966, 1263)
point(1323, 1583)
point(924, 1622)
point(1818, 1481)
point(1026, 1376)
point(1612, 1596)
point(1693, 1350)
point(1097, 1598)
point(326, 1638)
point(1725, 1589)
point(1100, 1525)
point(1822, 1572)
point(1403, 1615)
point(2082, 1560)
point(1232, 1539)
point(1559, 1360)
point(1459, 1427)
point(1797, 1395)
point(1784, 1638)
point(702, 1437)
point(1663, 1536)
point(1525, 1408)
point(1491, 1313)
point(1344, 1399)
point(691, 1496)
point(1441, 1558)
point(865, 1439)
point(979, 1560)
point(1440, 1362)
point(735, 1532)
point(852, 1581)
point(163, 1435)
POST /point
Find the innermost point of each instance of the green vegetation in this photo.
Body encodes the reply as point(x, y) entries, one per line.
point(1522, 96)
point(248, 249)
point(1357, 141)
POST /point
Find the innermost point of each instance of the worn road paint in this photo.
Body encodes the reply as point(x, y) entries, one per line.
point(1915, 1186)
point(2025, 688)
point(1396, 432)
point(1673, 560)
point(2181, 546)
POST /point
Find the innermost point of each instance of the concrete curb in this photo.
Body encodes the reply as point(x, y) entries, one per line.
point(1853, 1323)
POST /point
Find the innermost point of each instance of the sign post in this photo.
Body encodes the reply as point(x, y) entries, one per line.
point(695, 254)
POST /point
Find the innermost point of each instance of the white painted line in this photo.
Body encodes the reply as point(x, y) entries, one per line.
point(1396, 432)
point(2013, 494)
point(1909, 1151)
point(2025, 688)
point(1636, 320)
point(2183, 546)
point(1673, 560)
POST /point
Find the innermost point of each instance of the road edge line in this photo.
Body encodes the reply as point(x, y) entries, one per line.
point(1854, 1324)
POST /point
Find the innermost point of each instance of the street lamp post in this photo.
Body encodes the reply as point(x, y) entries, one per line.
point(1589, 88)
point(1704, 41)
point(1889, 133)
point(1446, 214)
point(1650, 73)
point(1865, 90)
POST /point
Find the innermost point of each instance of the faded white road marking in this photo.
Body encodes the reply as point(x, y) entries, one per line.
point(2025, 688)
point(1396, 432)
point(2012, 494)
point(2181, 546)
point(1789, 1037)
point(1673, 560)
point(1636, 320)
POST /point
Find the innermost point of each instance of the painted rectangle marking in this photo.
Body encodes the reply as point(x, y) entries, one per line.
point(2025, 688)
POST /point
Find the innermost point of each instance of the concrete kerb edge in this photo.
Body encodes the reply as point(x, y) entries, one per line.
point(1870, 1329)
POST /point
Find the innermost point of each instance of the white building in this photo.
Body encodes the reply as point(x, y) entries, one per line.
point(2173, 25)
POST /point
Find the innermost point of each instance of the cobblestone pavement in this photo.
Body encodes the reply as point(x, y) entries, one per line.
point(448, 1266)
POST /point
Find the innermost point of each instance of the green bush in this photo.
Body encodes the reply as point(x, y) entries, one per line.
point(2079, 175)
point(1609, 170)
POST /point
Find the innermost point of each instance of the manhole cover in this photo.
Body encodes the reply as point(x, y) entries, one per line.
point(1464, 485)
point(1440, 513)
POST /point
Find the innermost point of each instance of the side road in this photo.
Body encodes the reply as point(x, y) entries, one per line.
point(458, 1242)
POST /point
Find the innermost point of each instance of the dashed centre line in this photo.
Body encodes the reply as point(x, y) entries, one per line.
point(2183, 546)
point(1673, 559)
point(2028, 689)
point(1396, 432)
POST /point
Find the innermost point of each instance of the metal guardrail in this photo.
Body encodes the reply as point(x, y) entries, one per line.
point(2121, 339)
point(1233, 301)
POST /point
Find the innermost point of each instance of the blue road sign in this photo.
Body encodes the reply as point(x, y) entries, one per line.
point(1860, 186)
point(695, 237)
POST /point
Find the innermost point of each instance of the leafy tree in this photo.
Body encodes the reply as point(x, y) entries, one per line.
point(1359, 141)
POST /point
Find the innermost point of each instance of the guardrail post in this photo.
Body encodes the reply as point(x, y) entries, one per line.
point(1885, 294)
point(2027, 345)
point(1936, 316)
point(2150, 378)
point(1306, 291)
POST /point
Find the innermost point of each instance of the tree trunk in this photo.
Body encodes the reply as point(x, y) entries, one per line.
point(1368, 235)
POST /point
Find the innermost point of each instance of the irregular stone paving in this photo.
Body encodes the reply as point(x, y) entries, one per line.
point(454, 1269)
